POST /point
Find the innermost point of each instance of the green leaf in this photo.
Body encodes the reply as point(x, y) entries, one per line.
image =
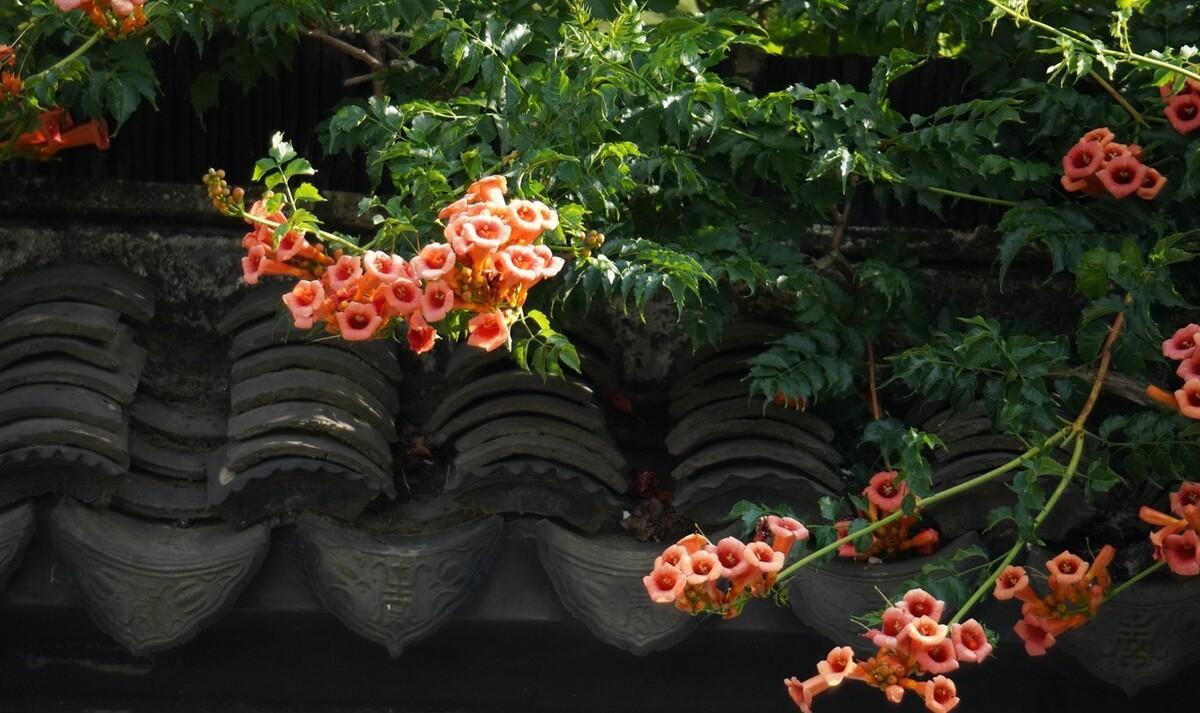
point(748, 515)
point(862, 542)
point(262, 167)
point(520, 353)
point(539, 318)
point(829, 507)
point(1091, 274)
point(205, 92)
point(307, 192)
point(298, 167)
point(514, 40)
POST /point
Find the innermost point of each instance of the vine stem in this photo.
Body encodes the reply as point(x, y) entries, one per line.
point(937, 497)
point(876, 409)
point(345, 48)
point(1102, 370)
point(1128, 56)
point(1118, 97)
point(1135, 579)
point(1078, 433)
point(322, 234)
point(989, 581)
point(971, 197)
point(76, 54)
point(987, 584)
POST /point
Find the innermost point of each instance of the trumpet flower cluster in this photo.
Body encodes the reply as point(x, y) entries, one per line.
point(885, 495)
point(1077, 590)
point(915, 653)
point(486, 268)
point(1183, 107)
point(116, 18)
point(1098, 164)
point(1181, 347)
point(1177, 539)
point(699, 577)
point(10, 82)
point(56, 132)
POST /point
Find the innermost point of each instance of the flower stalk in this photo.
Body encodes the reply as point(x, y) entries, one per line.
point(74, 55)
point(1135, 579)
point(1077, 433)
point(971, 197)
point(322, 234)
point(1118, 98)
point(933, 499)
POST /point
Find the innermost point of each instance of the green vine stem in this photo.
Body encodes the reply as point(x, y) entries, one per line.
point(971, 197)
point(937, 497)
point(76, 54)
point(1078, 434)
point(322, 234)
point(1096, 47)
point(1135, 579)
point(986, 584)
point(989, 581)
point(1118, 98)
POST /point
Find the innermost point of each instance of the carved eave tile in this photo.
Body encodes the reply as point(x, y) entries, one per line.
point(260, 302)
point(599, 581)
point(166, 498)
point(275, 331)
point(77, 320)
point(78, 472)
point(178, 422)
point(300, 384)
point(586, 416)
point(682, 443)
point(288, 484)
point(535, 487)
point(598, 443)
point(754, 451)
point(502, 385)
point(119, 386)
point(108, 286)
point(155, 586)
point(540, 447)
point(316, 419)
point(322, 358)
point(16, 530)
point(108, 354)
point(709, 496)
point(742, 408)
point(63, 402)
point(724, 367)
point(1147, 635)
point(51, 432)
point(163, 458)
point(395, 589)
point(244, 456)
